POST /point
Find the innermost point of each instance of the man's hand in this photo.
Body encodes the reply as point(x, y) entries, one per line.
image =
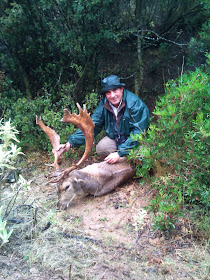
point(112, 158)
point(61, 149)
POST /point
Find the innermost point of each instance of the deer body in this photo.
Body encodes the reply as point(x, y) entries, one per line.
point(96, 179)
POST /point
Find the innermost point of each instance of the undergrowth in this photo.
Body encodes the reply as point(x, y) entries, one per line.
point(23, 111)
point(8, 150)
point(8, 156)
point(176, 150)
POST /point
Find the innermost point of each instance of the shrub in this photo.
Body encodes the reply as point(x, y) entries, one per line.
point(8, 156)
point(176, 149)
point(23, 111)
point(8, 150)
point(4, 235)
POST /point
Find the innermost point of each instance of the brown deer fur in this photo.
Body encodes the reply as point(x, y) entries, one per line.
point(96, 179)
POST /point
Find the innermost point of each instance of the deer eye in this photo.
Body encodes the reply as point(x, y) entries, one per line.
point(67, 187)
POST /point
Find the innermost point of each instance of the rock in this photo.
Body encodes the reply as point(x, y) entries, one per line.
point(34, 270)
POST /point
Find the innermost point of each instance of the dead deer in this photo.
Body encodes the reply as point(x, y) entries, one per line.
point(96, 179)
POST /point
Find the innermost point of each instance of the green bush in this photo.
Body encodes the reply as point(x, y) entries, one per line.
point(8, 150)
point(4, 235)
point(176, 150)
point(9, 153)
point(23, 111)
point(199, 45)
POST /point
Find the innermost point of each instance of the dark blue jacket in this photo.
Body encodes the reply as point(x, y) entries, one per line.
point(133, 118)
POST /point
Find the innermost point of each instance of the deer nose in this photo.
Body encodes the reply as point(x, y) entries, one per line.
point(58, 206)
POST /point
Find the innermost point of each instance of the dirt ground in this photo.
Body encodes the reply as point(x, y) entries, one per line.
point(108, 237)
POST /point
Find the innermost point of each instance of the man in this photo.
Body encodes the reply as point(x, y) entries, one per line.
point(122, 114)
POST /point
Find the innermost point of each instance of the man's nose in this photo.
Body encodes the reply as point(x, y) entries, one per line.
point(112, 93)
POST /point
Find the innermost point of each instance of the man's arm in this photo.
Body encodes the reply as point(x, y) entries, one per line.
point(62, 148)
point(139, 120)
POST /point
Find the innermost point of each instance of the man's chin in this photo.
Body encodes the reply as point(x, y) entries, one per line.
point(115, 103)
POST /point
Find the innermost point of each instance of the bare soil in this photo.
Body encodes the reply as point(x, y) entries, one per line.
point(108, 237)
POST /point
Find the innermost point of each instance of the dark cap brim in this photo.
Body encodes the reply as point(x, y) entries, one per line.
point(112, 87)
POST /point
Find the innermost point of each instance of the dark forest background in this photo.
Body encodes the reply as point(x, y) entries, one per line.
point(53, 46)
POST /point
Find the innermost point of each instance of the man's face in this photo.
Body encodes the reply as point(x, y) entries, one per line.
point(114, 96)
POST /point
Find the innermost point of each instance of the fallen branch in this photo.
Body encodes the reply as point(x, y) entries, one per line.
point(64, 234)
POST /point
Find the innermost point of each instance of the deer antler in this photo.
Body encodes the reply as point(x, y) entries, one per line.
point(86, 125)
point(83, 122)
point(54, 139)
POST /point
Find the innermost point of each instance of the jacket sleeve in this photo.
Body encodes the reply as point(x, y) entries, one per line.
point(78, 137)
point(138, 123)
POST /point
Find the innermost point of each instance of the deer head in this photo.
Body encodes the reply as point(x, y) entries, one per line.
point(83, 122)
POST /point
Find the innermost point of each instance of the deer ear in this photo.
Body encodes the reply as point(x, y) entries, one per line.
point(81, 181)
point(79, 185)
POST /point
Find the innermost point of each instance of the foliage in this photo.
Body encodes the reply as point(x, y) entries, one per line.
point(8, 155)
point(139, 219)
point(91, 101)
point(24, 111)
point(199, 45)
point(176, 149)
point(4, 235)
point(46, 44)
point(8, 150)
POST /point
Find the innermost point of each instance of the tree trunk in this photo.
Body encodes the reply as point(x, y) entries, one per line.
point(139, 64)
point(25, 80)
point(139, 67)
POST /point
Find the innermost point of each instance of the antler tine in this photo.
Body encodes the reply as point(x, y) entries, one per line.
point(79, 107)
point(82, 110)
point(63, 174)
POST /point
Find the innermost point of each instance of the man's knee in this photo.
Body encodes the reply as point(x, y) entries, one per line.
point(106, 146)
